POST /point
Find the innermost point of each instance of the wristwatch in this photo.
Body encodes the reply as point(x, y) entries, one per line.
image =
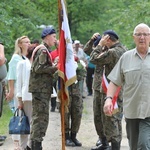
point(108, 97)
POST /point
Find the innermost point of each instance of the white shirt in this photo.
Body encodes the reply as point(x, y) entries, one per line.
point(81, 54)
point(23, 75)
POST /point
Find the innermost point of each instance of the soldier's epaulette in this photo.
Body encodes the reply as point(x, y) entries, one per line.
point(44, 50)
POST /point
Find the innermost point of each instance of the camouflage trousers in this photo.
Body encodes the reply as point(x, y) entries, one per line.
point(74, 115)
point(40, 115)
point(109, 127)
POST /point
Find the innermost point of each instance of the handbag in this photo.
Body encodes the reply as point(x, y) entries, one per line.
point(3, 72)
point(19, 124)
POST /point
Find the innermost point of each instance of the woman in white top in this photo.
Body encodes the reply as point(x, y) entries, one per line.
point(21, 46)
point(24, 97)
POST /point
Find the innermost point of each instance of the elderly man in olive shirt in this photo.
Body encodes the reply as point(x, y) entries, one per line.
point(133, 73)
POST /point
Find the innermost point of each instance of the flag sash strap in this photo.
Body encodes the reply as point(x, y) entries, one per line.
point(114, 100)
point(104, 82)
point(105, 86)
point(37, 48)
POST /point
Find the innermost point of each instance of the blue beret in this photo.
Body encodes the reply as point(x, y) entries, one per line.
point(47, 31)
point(96, 41)
point(111, 33)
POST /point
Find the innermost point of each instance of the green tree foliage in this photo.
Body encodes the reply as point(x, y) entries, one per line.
point(23, 17)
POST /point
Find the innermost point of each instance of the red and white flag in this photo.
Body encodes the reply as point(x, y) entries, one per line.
point(66, 65)
point(105, 86)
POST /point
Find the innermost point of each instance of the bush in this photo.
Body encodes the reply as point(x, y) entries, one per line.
point(4, 120)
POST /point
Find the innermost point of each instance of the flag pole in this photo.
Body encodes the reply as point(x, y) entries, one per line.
point(62, 116)
point(59, 16)
point(62, 106)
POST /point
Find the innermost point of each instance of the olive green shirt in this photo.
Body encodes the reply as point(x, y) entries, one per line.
point(133, 73)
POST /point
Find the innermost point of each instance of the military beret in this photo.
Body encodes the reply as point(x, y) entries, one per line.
point(111, 33)
point(47, 31)
point(96, 41)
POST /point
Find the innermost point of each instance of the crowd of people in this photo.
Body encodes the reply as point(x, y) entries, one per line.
point(32, 82)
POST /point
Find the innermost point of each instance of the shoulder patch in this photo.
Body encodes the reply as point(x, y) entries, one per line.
point(44, 51)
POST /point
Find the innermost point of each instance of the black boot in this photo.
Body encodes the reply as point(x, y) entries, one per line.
point(27, 148)
point(103, 146)
point(53, 104)
point(32, 145)
point(73, 137)
point(36, 145)
point(115, 145)
point(98, 142)
point(68, 141)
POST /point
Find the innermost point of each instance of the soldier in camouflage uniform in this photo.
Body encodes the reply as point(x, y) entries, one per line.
point(88, 48)
point(75, 109)
point(108, 128)
point(40, 85)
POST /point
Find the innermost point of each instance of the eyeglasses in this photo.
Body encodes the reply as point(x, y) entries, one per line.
point(140, 34)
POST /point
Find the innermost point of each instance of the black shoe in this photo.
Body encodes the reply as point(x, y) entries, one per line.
point(69, 142)
point(74, 139)
point(115, 145)
point(83, 96)
point(101, 147)
point(76, 142)
point(2, 138)
point(1, 143)
point(98, 142)
point(36, 145)
point(89, 94)
point(27, 148)
point(53, 109)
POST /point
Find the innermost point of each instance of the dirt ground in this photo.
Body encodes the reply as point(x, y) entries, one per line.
point(87, 134)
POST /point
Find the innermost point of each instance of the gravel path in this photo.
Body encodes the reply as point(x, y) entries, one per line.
point(87, 134)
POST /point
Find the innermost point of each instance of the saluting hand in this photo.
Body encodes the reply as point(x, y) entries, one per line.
point(104, 40)
point(95, 35)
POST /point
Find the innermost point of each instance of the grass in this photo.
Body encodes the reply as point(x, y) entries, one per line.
point(4, 120)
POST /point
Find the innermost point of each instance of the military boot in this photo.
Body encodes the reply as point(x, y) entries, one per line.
point(115, 145)
point(68, 141)
point(103, 146)
point(27, 148)
point(36, 145)
point(98, 142)
point(53, 104)
point(32, 145)
point(73, 137)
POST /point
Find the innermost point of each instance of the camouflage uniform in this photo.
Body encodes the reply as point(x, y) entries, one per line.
point(75, 109)
point(40, 85)
point(96, 87)
point(106, 126)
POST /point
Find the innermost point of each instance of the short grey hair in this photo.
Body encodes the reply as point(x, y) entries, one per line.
point(141, 25)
